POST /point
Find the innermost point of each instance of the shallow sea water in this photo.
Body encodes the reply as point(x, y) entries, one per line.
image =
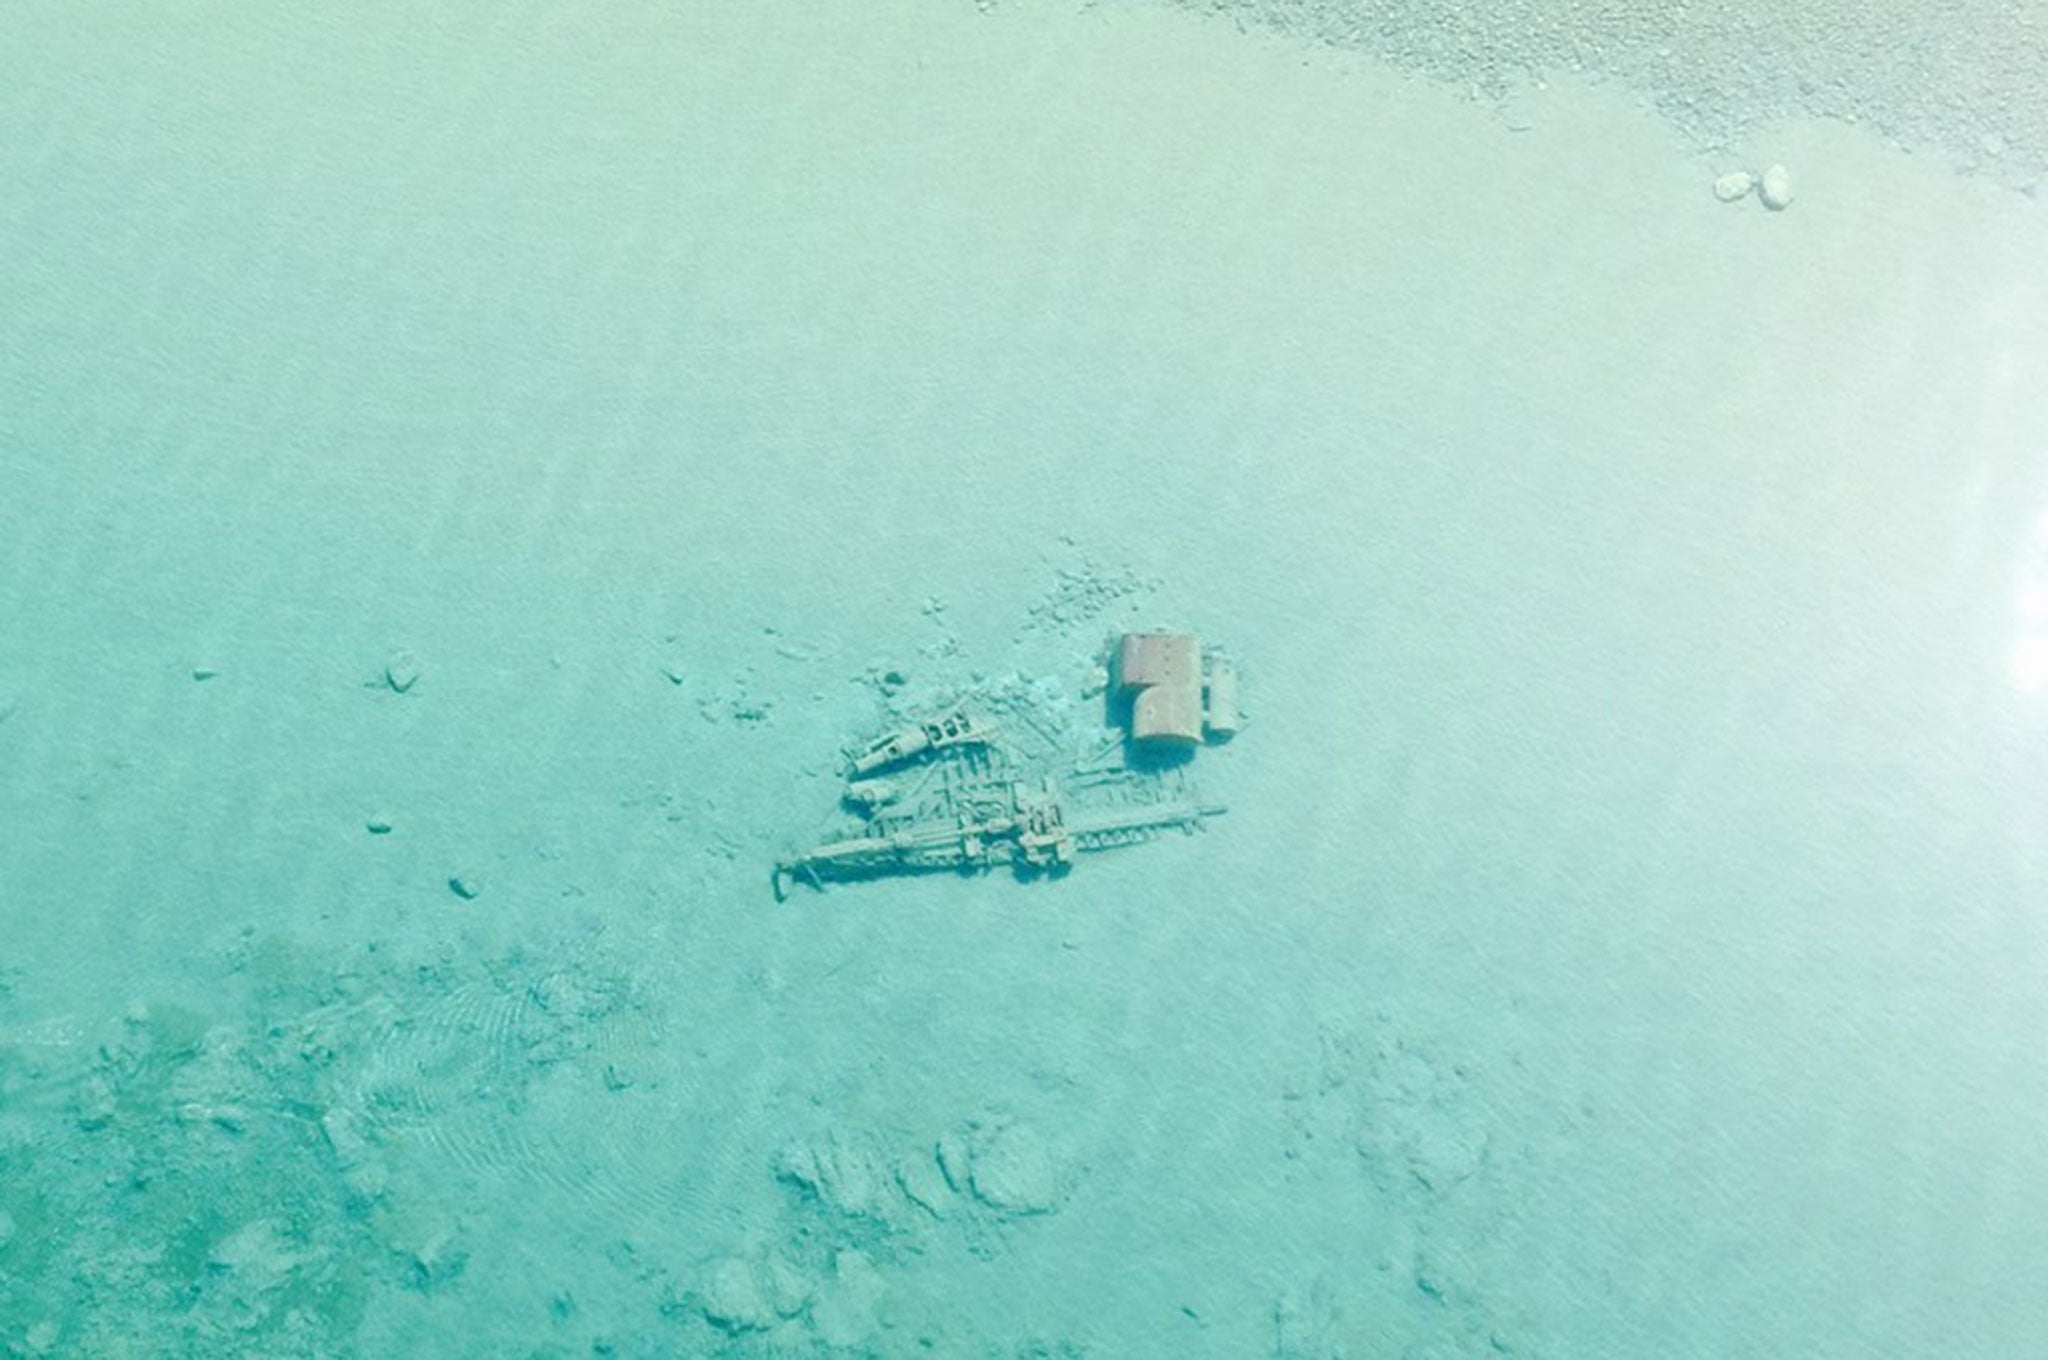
point(465, 477)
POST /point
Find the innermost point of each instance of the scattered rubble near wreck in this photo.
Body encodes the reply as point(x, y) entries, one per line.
point(968, 791)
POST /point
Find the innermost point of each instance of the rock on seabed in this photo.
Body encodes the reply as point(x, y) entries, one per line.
point(1733, 185)
point(1775, 189)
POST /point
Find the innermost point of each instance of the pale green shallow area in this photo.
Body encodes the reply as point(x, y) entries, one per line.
point(1627, 937)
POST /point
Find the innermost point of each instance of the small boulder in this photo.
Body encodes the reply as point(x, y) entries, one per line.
point(1775, 188)
point(401, 672)
point(1013, 1170)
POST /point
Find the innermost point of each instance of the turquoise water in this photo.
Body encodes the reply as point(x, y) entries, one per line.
point(507, 449)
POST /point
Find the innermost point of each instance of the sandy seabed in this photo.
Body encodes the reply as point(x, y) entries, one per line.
point(464, 479)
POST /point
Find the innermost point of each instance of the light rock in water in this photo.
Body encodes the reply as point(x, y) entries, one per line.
point(924, 1184)
point(956, 1161)
point(751, 1295)
point(1733, 185)
point(401, 671)
point(257, 1252)
point(846, 1313)
point(842, 1173)
point(1014, 1172)
point(1776, 188)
